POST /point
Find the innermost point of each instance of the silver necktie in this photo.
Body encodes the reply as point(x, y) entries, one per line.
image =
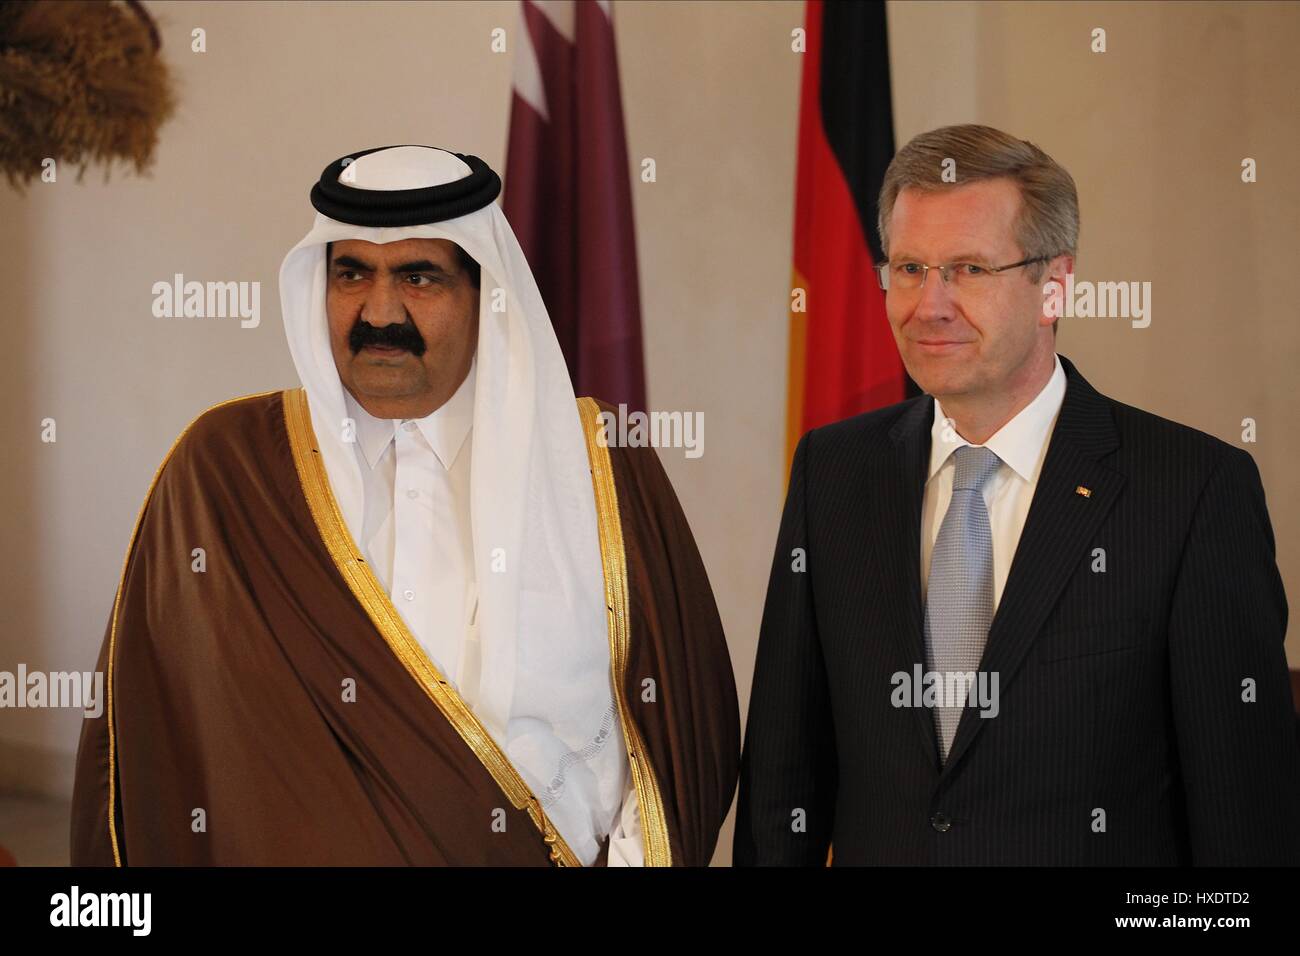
point(959, 594)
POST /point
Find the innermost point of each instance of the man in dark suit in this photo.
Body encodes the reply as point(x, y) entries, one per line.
point(1014, 621)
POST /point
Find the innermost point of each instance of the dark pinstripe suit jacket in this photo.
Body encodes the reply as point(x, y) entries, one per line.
point(1122, 736)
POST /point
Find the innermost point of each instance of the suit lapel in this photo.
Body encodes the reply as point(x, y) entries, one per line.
point(911, 436)
point(1060, 525)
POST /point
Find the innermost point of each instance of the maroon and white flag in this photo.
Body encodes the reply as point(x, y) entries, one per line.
point(568, 195)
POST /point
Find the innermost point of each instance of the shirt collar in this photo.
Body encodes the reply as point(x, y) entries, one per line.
point(445, 428)
point(1020, 442)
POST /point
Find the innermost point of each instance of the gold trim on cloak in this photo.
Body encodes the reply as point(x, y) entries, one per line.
point(374, 599)
point(117, 601)
point(654, 826)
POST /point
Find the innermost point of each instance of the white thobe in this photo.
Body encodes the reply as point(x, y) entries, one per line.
point(416, 535)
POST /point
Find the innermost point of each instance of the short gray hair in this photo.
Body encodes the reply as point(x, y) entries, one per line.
point(1048, 223)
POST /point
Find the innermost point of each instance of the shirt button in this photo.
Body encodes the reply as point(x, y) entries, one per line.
point(409, 426)
point(409, 594)
point(940, 821)
point(412, 493)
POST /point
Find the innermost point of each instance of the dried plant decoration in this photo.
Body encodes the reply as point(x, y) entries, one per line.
point(81, 81)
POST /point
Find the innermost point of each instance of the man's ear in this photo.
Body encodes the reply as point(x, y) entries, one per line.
point(1058, 268)
point(1054, 289)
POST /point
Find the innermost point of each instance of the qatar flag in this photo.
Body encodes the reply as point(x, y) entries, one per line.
point(568, 193)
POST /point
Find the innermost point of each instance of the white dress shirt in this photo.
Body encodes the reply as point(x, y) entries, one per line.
point(417, 537)
point(1021, 444)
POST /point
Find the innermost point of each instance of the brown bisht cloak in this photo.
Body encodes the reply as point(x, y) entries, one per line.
point(227, 738)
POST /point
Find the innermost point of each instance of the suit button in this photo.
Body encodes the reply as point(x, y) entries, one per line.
point(941, 822)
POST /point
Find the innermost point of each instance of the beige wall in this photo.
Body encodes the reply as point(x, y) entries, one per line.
point(1153, 131)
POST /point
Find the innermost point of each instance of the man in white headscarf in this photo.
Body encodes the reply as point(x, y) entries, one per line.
point(438, 620)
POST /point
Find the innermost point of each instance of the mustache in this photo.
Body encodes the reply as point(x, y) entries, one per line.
point(404, 336)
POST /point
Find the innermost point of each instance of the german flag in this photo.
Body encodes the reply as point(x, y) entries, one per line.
point(843, 359)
